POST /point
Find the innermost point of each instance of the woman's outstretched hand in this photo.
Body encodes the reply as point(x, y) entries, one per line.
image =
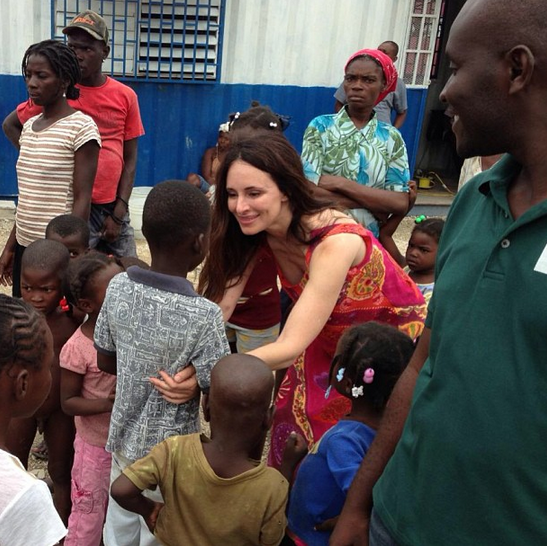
point(179, 388)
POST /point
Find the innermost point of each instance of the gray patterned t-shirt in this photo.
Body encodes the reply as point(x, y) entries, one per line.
point(155, 322)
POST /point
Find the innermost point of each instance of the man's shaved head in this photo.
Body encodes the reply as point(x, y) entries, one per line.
point(506, 23)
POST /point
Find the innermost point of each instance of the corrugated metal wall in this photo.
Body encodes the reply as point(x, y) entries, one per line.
point(304, 42)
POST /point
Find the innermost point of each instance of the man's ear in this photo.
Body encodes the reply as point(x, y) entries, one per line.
point(106, 51)
point(205, 407)
point(521, 64)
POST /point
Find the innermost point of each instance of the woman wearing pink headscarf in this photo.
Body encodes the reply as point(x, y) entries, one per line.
point(361, 161)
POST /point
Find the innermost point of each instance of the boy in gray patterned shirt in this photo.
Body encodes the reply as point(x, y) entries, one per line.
point(151, 322)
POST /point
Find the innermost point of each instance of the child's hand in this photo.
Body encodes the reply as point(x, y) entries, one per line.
point(412, 193)
point(327, 525)
point(295, 450)
point(152, 518)
point(193, 179)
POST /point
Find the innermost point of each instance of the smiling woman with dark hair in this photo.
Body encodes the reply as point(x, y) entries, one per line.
point(361, 161)
point(332, 268)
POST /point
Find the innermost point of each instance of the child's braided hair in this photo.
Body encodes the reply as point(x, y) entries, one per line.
point(379, 347)
point(430, 226)
point(258, 116)
point(80, 273)
point(22, 333)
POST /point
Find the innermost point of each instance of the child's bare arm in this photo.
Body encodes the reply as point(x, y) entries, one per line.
point(392, 223)
point(107, 363)
point(386, 238)
point(72, 401)
point(130, 497)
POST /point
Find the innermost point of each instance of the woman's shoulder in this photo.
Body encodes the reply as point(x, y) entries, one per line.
point(323, 121)
point(331, 222)
point(30, 121)
point(78, 117)
point(341, 237)
point(387, 132)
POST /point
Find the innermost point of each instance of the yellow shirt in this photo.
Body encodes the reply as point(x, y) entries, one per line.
point(204, 509)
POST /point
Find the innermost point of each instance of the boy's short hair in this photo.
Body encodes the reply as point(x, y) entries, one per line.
point(241, 388)
point(68, 224)
point(46, 255)
point(174, 211)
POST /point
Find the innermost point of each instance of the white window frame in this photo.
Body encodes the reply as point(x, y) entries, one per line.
point(427, 25)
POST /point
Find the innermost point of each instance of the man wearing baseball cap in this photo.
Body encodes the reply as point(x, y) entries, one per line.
point(115, 109)
point(92, 23)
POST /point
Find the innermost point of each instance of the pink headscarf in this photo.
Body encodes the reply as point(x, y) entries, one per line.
point(388, 68)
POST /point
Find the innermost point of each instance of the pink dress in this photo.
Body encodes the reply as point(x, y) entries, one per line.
point(376, 289)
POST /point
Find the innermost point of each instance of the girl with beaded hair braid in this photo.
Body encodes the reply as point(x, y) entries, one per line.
point(58, 153)
point(368, 361)
point(27, 514)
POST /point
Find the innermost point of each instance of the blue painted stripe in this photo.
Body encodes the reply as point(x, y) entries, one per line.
point(181, 121)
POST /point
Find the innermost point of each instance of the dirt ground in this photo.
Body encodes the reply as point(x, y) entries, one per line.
point(401, 237)
point(37, 466)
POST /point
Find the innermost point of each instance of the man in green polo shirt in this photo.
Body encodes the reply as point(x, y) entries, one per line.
point(460, 458)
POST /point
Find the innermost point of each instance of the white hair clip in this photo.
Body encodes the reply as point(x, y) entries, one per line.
point(233, 118)
point(357, 391)
point(273, 124)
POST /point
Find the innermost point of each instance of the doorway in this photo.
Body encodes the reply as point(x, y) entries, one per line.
point(437, 149)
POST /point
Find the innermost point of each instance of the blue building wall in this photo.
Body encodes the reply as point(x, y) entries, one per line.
point(181, 121)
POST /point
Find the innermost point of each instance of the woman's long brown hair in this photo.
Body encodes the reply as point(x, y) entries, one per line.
point(230, 250)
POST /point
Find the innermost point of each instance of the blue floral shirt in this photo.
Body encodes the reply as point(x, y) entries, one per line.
point(374, 156)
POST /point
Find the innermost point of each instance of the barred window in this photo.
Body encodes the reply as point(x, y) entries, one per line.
point(423, 41)
point(169, 40)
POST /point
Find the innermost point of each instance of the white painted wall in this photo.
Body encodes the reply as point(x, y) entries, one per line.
point(278, 42)
point(304, 42)
point(24, 22)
